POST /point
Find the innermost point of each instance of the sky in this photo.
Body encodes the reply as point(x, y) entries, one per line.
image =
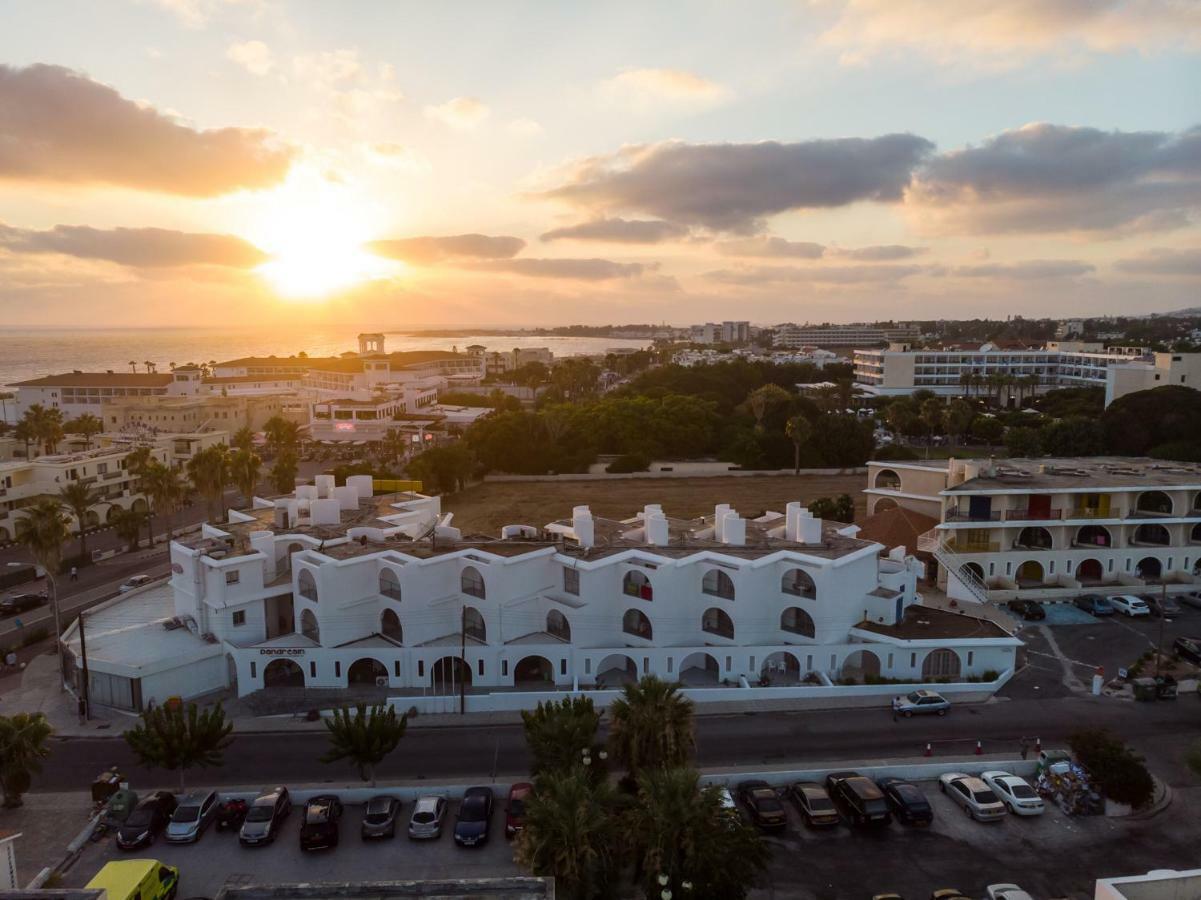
point(393, 164)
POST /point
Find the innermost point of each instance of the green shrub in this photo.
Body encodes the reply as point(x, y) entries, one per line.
point(629, 462)
point(990, 675)
point(1118, 772)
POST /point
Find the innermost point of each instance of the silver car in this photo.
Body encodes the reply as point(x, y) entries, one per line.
point(921, 702)
point(265, 816)
point(976, 797)
point(195, 813)
point(379, 817)
point(426, 821)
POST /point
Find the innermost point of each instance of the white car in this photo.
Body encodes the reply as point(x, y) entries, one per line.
point(1007, 892)
point(1130, 605)
point(1017, 795)
point(132, 584)
point(973, 795)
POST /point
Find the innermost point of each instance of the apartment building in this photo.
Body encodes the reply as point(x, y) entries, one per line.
point(499, 362)
point(721, 333)
point(1053, 528)
point(346, 419)
point(795, 336)
point(202, 412)
point(76, 393)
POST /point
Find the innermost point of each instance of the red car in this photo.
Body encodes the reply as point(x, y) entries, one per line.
point(515, 808)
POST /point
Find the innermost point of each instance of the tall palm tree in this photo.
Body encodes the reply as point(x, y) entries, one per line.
point(80, 497)
point(244, 472)
point(24, 432)
point(133, 366)
point(127, 523)
point(281, 433)
point(243, 439)
point(23, 738)
point(209, 471)
point(88, 425)
point(800, 432)
point(138, 463)
point(651, 726)
point(167, 488)
point(43, 530)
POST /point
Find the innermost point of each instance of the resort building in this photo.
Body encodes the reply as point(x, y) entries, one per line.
point(336, 588)
point(348, 419)
point(202, 412)
point(499, 362)
point(1052, 528)
point(76, 393)
point(721, 333)
point(795, 336)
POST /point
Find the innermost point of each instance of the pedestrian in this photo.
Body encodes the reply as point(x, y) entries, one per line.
point(18, 623)
point(74, 574)
point(1025, 747)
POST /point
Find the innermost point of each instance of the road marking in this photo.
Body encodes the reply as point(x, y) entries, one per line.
point(1070, 681)
point(1150, 643)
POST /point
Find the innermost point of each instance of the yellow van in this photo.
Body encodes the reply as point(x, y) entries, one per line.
point(137, 879)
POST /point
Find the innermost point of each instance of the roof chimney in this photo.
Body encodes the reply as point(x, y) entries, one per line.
point(719, 513)
point(733, 529)
point(655, 527)
point(583, 526)
point(810, 531)
point(792, 520)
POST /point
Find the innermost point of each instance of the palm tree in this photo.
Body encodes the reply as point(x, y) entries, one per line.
point(167, 488)
point(127, 523)
point(24, 432)
point(281, 433)
point(209, 471)
point(23, 738)
point(45, 425)
point(43, 530)
point(88, 425)
point(133, 366)
point(283, 472)
point(800, 432)
point(138, 464)
point(244, 472)
point(651, 726)
point(80, 497)
point(243, 439)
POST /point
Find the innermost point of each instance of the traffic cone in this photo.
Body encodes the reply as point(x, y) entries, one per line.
point(929, 751)
point(979, 749)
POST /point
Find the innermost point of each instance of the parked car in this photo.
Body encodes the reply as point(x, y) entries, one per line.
point(1094, 604)
point(192, 816)
point(858, 795)
point(1007, 892)
point(1192, 598)
point(319, 829)
point(906, 800)
point(265, 816)
point(1129, 605)
point(920, 702)
point(147, 820)
point(132, 584)
point(814, 804)
point(1015, 792)
point(1030, 610)
point(948, 894)
point(973, 795)
point(763, 805)
point(19, 603)
point(232, 813)
point(474, 818)
point(1188, 649)
point(519, 794)
point(1163, 607)
point(425, 823)
point(379, 817)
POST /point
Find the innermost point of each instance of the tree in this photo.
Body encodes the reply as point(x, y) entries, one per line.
point(280, 433)
point(571, 833)
point(763, 400)
point(23, 431)
point(932, 419)
point(173, 738)
point(958, 418)
point(1117, 770)
point(444, 469)
point(244, 471)
point(365, 738)
point(799, 431)
point(243, 439)
point(841, 509)
point(23, 738)
point(987, 430)
point(138, 463)
point(209, 472)
point(43, 530)
point(1075, 436)
point(284, 471)
point(1023, 442)
point(167, 489)
point(87, 425)
point(844, 441)
point(681, 833)
point(1139, 422)
point(80, 498)
point(560, 734)
point(651, 726)
point(127, 523)
point(44, 425)
point(394, 444)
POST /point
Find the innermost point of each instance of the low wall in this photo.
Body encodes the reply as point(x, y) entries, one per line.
point(742, 473)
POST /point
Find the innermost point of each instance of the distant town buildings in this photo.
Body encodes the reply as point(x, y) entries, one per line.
point(735, 333)
point(840, 335)
point(707, 357)
point(501, 362)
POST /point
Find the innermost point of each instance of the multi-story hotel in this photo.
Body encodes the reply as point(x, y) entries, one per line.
point(1052, 528)
point(902, 369)
point(334, 587)
point(795, 336)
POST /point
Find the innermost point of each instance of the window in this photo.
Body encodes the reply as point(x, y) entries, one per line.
point(718, 584)
point(252, 669)
point(232, 577)
point(571, 581)
point(472, 582)
point(239, 617)
point(389, 584)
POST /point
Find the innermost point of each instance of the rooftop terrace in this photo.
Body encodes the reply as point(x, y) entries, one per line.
point(1079, 473)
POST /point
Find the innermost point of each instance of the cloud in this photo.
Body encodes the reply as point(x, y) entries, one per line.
point(1004, 33)
point(753, 275)
point(658, 90)
point(137, 247)
point(1045, 177)
point(196, 13)
point(58, 125)
point(524, 128)
point(396, 156)
point(732, 187)
point(580, 269)
point(1163, 261)
point(619, 231)
point(352, 88)
point(771, 247)
point(253, 56)
point(1034, 269)
point(880, 253)
point(461, 113)
point(425, 250)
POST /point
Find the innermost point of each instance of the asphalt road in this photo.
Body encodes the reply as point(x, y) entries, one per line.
point(773, 739)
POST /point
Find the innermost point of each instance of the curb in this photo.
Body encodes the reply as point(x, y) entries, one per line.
point(1164, 801)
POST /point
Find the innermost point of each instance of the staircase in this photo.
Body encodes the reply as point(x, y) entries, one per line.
point(932, 542)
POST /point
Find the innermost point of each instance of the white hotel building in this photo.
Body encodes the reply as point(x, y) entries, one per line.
point(334, 588)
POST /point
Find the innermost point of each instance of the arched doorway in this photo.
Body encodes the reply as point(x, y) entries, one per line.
point(798, 583)
point(1094, 536)
point(534, 671)
point(860, 665)
point(883, 504)
point(637, 584)
point(1149, 568)
point(1152, 534)
point(795, 620)
point(972, 572)
point(1030, 574)
point(389, 626)
point(140, 506)
point(888, 480)
point(1090, 571)
point(781, 668)
point(615, 670)
point(448, 674)
point(309, 627)
point(283, 673)
point(941, 663)
point(1034, 538)
point(473, 625)
point(111, 513)
point(557, 625)
point(717, 622)
point(366, 671)
point(1155, 503)
point(699, 669)
point(635, 623)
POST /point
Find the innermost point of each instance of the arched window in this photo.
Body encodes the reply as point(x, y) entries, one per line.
point(1152, 534)
point(389, 626)
point(1094, 536)
point(798, 583)
point(941, 663)
point(389, 584)
point(1149, 568)
point(1030, 574)
point(366, 671)
point(888, 480)
point(717, 621)
point(717, 583)
point(1195, 536)
point(307, 585)
point(309, 627)
point(1034, 538)
point(1089, 571)
point(796, 621)
point(1155, 502)
point(557, 624)
point(636, 623)
point(473, 625)
point(472, 582)
point(637, 584)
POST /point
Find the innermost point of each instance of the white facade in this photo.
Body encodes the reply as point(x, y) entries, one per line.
point(76, 393)
point(840, 335)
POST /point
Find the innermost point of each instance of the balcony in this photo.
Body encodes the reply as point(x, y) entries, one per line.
point(1032, 515)
point(966, 515)
point(974, 546)
point(1093, 512)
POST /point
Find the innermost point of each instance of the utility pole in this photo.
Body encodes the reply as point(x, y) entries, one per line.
point(463, 661)
point(83, 652)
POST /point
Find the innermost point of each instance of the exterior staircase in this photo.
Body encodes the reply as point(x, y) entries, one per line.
point(932, 542)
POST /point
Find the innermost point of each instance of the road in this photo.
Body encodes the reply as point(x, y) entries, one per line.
point(774, 739)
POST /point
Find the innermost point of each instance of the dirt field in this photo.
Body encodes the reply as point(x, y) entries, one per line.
point(484, 508)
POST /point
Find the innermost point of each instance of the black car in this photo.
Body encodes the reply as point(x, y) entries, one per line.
point(475, 815)
point(320, 827)
point(147, 820)
point(18, 603)
point(1188, 649)
point(1028, 610)
point(379, 817)
point(907, 801)
point(1164, 607)
point(764, 806)
point(859, 797)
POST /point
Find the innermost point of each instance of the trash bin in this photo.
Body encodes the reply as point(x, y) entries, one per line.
point(1165, 687)
point(1145, 689)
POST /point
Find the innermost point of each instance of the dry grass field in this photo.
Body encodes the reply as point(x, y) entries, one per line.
point(484, 508)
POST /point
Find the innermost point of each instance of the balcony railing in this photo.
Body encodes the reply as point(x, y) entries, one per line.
point(973, 546)
point(1149, 514)
point(1032, 515)
point(718, 628)
point(1094, 512)
point(965, 515)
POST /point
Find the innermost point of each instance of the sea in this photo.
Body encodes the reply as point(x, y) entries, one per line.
point(32, 353)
